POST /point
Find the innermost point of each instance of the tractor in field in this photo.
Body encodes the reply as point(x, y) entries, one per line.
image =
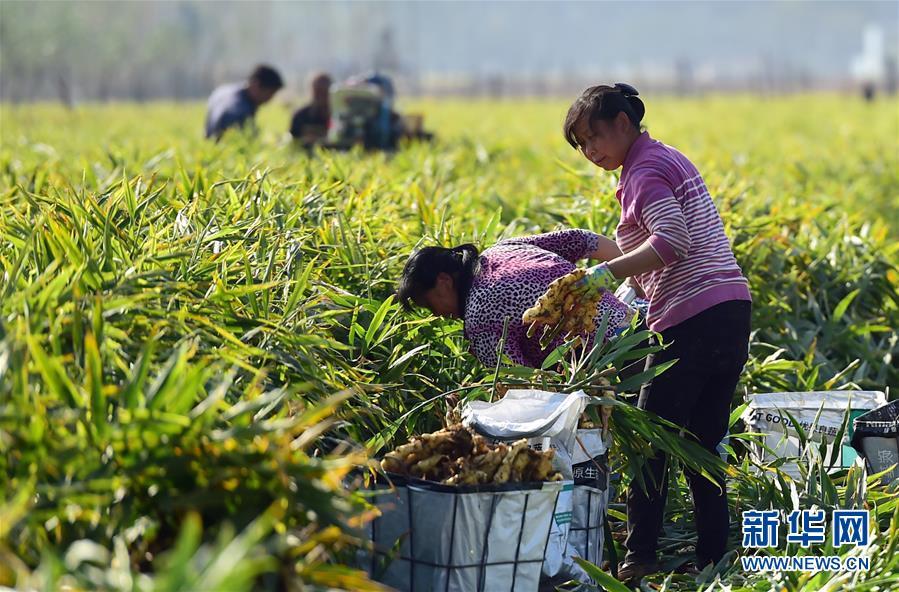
point(362, 114)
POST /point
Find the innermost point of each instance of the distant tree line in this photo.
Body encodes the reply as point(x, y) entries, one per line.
point(88, 50)
point(103, 50)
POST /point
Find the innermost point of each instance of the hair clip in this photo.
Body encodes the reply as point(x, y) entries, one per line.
point(626, 89)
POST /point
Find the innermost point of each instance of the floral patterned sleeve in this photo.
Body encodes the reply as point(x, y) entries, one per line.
point(573, 244)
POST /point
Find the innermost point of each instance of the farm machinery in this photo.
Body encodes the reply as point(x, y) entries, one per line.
point(362, 114)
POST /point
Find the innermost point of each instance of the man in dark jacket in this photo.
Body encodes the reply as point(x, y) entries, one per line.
point(233, 105)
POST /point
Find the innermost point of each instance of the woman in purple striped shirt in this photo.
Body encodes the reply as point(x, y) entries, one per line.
point(674, 249)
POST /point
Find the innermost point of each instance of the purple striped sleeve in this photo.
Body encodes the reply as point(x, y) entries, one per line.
point(661, 214)
point(663, 249)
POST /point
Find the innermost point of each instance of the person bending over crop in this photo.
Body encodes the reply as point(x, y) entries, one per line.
point(674, 247)
point(233, 105)
point(484, 289)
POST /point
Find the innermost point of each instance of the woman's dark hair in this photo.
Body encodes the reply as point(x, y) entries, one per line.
point(423, 266)
point(603, 103)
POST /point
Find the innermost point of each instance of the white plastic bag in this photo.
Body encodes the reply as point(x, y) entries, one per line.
point(876, 438)
point(590, 497)
point(526, 413)
point(545, 419)
point(764, 415)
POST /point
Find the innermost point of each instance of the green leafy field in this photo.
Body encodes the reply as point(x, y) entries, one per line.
point(198, 339)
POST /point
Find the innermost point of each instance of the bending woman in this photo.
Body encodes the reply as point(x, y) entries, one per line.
point(501, 283)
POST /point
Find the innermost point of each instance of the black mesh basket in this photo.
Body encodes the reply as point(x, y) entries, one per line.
point(434, 537)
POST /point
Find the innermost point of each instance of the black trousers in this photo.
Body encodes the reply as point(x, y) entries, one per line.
point(711, 348)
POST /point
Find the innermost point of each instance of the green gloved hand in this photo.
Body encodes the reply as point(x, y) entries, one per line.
point(598, 278)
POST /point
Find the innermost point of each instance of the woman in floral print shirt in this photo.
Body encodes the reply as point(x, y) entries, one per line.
point(485, 288)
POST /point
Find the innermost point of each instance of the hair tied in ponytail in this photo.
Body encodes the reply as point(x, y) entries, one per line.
point(603, 103)
point(626, 89)
point(423, 267)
